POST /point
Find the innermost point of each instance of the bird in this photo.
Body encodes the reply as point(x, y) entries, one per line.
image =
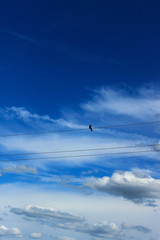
point(90, 127)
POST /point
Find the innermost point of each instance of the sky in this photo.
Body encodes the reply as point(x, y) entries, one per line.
point(63, 66)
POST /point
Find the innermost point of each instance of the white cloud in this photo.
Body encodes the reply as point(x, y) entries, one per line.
point(89, 172)
point(143, 105)
point(49, 216)
point(9, 232)
point(95, 208)
point(19, 169)
point(63, 141)
point(22, 113)
point(64, 220)
point(134, 186)
point(63, 238)
point(66, 142)
point(35, 235)
point(78, 141)
point(74, 222)
point(103, 229)
point(30, 118)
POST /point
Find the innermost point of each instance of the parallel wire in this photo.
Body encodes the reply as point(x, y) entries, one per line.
point(78, 156)
point(79, 150)
point(81, 129)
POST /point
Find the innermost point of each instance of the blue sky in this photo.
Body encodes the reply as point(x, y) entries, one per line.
point(65, 65)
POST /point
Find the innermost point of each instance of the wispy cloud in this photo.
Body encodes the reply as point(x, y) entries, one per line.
point(142, 104)
point(64, 142)
point(21, 36)
point(19, 169)
point(80, 55)
point(21, 113)
point(72, 52)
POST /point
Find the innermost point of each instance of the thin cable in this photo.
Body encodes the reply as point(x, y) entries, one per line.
point(80, 129)
point(87, 155)
point(129, 124)
point(80, 150)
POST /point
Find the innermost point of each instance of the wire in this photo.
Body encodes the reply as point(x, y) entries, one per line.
point(80, 129)
point(80, 150)
point(87, 155)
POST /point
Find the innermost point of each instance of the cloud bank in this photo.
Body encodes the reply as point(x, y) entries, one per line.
point(134, 186)
point(64, 220)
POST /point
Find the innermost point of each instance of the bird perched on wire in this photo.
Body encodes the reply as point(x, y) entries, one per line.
point(90, 127)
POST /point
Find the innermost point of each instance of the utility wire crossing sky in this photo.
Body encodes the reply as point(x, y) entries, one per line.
point(81, 129)
point(82, 150)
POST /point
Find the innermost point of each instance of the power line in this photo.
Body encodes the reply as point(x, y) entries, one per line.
point(79, 150)
point(81, 129)
point(129, 124)
point(72, 156)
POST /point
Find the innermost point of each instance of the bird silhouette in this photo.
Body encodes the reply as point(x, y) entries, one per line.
point(90, 127)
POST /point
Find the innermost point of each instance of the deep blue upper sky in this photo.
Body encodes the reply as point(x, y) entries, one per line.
point(51, 52)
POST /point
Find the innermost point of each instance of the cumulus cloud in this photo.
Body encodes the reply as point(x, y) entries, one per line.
point(35, 235)
point(134, 186)
point(145, 104)
point(19, 169)
point(64, 220)
point(9, 232)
